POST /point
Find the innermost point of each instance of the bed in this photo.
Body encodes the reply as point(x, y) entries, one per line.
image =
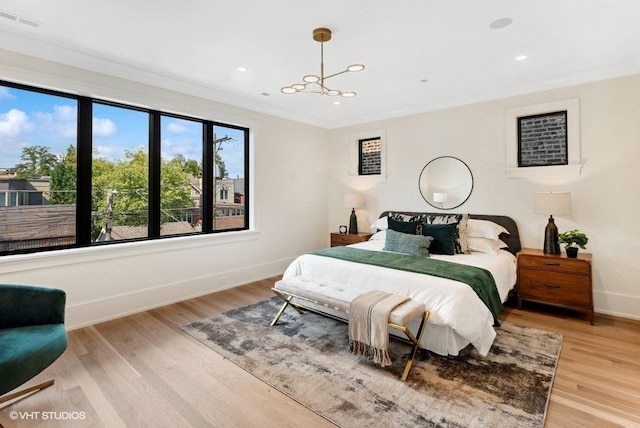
point(458, 316)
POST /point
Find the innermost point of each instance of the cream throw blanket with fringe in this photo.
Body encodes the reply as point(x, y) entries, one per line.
point(369, 325)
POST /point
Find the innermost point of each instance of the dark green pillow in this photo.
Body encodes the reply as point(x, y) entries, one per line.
point(444, 237)
point(398, 242)
point(403, 226)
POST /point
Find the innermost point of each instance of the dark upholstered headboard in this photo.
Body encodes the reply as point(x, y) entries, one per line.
point(512, 240)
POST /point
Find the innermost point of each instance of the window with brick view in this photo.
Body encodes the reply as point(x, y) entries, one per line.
point(370, 156)
point(542, 139)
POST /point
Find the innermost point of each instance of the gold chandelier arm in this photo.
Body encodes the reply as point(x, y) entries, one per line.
point(337, 74)
point(323, 87)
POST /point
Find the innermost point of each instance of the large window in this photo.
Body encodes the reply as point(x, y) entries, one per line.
point(75, 171)
point(119, 173)
point(229, 181)
point(37, 169)
point(181, 176)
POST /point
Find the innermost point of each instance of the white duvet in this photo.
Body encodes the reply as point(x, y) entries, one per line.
point(458, 316)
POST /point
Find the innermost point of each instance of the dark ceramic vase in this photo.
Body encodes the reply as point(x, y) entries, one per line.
point(572, 252)
point(353, 223)
point(551, 244)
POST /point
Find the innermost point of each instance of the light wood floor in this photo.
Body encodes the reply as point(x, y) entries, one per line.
point(142, 370)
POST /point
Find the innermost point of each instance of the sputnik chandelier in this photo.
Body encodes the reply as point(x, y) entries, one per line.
point(321, 35)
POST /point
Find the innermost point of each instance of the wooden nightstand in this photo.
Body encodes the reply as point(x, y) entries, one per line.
point(555, 280)
point(340, 239)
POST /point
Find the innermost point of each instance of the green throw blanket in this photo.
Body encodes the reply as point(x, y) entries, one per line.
point(480, 280)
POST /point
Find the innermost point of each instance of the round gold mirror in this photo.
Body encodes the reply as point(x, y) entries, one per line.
point(445, 182)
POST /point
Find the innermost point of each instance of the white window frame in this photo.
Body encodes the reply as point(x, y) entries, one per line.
point(574, 165)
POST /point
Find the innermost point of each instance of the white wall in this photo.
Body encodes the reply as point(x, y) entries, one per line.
point(606, 199)
point(110, 281)
point(107, 282)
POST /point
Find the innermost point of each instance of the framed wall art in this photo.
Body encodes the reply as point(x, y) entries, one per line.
point(543, 140)
point(368, 156)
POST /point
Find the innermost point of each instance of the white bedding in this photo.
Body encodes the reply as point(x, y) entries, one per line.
point(458, 316)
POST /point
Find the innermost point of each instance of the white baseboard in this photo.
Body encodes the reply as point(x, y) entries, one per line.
point(625, 306)
point(111, 307)
point(100, 310)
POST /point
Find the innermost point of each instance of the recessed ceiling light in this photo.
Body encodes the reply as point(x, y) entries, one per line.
point(265, 94)
point(424, 80)
point(336, 102)
point(243, 69)
point(521, 57)
point(501, 23)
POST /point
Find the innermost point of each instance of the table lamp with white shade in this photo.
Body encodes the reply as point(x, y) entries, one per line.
point(558, 203)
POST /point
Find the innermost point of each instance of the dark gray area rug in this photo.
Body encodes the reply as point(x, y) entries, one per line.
point(307, 358)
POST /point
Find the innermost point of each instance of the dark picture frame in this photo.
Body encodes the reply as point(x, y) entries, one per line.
point(370, 156)
point(543, 139)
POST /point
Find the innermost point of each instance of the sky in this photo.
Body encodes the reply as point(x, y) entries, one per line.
point(30, 118)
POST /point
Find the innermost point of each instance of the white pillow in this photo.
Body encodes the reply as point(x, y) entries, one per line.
point(379, 236)
point(484, 229)
point(485, 245)
point(380, 224)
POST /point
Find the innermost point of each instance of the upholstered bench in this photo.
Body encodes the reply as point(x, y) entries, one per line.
point(332, 295)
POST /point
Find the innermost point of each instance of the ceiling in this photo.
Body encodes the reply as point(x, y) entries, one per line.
point(420, 55)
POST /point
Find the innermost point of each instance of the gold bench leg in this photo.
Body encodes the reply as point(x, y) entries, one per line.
point(416, 345)
point(287, 301)
point(281, 311)
point(30, 390)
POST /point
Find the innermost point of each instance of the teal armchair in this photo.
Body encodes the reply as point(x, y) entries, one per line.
point(32, 335)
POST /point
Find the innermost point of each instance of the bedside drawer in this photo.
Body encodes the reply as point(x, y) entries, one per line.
point(555, 264)
point(556, 287)
point(337, 240)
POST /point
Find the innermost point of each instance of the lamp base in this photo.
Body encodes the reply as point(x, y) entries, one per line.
point(551, 244)
point(353, 223)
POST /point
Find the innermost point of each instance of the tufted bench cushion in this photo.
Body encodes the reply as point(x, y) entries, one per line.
point(339, 296)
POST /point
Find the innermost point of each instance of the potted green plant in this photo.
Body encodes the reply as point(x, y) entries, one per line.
point(572, 240)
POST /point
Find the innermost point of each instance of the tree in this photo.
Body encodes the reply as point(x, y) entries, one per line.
point(222, 168)
point(37, 160)
point(192, 167)
point(129, 179)
point(101, 169)
point(189, 166)
point(175, 192)
point(63, 179)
